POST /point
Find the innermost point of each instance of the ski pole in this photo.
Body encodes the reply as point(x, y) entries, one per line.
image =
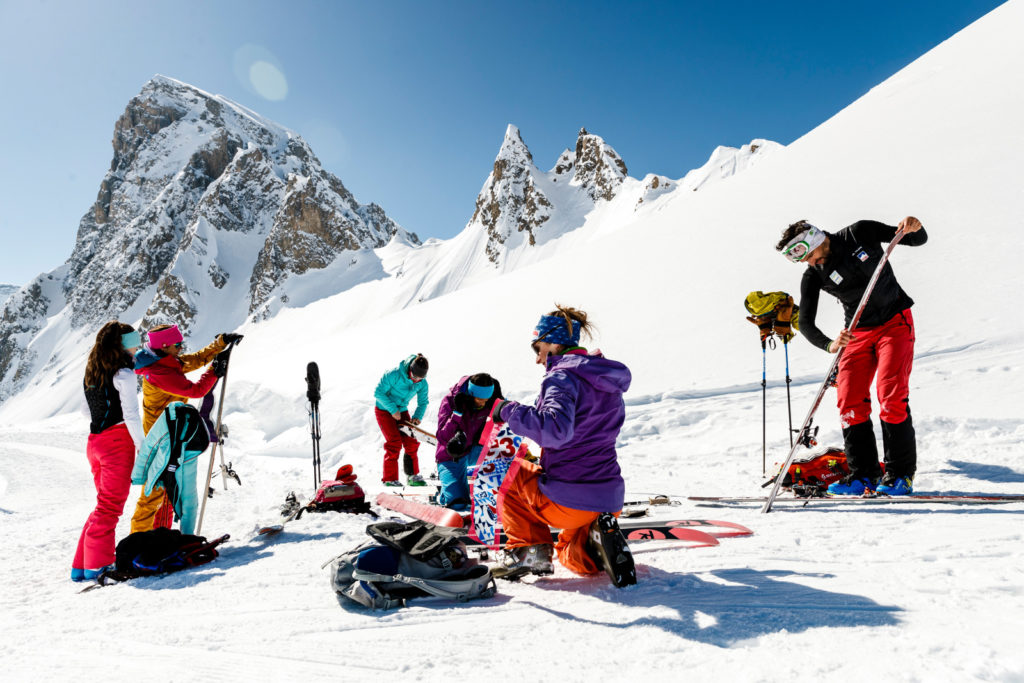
point(217, 430)
point(764, 407)
point(789, 403)
point(313, 394)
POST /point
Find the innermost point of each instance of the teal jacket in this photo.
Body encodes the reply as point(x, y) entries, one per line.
point(395, 390)
point(155, 455)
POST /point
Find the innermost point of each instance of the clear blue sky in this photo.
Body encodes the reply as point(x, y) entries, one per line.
point(407, 101)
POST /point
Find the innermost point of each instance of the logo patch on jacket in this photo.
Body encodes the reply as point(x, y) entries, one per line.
point(835, 277)
point(861, 254)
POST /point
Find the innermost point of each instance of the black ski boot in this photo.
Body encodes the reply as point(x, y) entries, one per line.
point(609, 549)
point(528, 559)
point(862, 452)
point(899, 443)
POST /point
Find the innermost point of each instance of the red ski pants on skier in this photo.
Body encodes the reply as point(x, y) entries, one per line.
point(886, 351)
point(527, 515)
point(111, 455)
point(394, 442)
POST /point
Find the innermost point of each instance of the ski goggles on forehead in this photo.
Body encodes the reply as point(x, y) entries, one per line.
point(801, 246)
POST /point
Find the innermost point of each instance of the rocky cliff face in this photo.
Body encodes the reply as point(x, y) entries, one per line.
point(597, 168)
point(206, 211)
point(511, 201)
point(518, 198)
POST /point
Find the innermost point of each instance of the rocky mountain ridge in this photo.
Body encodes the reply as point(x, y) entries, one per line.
point(211, 216)
point(205, 203)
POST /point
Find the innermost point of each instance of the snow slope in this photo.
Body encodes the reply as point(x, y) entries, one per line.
point(921, 593)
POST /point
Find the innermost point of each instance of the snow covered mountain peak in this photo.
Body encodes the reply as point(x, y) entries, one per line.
point(512, 205)
point(206, 205)
point(597, 168)
point(513, 150)
point(518, 199)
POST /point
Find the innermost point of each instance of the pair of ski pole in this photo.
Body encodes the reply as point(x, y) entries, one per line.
point(764, 398)
point(220, 433)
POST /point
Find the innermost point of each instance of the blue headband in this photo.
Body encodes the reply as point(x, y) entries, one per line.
point(477, 391)
point(552, 329)
point(130, 340)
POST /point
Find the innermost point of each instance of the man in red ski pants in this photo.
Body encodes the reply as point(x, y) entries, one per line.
point(880, 348)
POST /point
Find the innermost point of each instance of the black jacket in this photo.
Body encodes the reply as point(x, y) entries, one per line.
point(855, 252)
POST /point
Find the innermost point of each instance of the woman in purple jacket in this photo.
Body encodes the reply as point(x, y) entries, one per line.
point(460, 421)
point(577, 485)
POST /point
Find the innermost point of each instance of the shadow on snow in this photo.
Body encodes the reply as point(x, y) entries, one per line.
point(736, 605)
point(977, 470)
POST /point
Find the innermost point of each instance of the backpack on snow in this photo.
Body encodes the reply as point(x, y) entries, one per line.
point(341, 494)
point(811, 475)
point(410, 560)
point(160, 551)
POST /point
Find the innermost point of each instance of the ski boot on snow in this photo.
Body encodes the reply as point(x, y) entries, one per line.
point(416, 480)
point(608, 548)
point(523, 560)
point(392, 482)
point(852, 485)
point(893, 485)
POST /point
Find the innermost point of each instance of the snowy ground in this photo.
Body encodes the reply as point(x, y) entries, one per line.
point(917, 592)
point(914, 593)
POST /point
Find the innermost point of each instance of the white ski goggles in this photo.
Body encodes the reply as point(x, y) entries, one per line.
point(801, 246)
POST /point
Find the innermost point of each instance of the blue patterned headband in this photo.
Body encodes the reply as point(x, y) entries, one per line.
point(553, 329)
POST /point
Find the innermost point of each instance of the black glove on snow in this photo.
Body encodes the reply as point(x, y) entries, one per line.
point(231, 337)
point(496, 415)
point(457, 444)
point(220, 365)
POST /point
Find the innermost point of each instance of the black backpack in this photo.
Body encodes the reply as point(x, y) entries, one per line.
point(160, 551)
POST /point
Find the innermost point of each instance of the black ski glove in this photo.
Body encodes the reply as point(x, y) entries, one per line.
point(463, 403)
point(496, 415)
point(220, 365)
point(231, 337)
point(457, 444)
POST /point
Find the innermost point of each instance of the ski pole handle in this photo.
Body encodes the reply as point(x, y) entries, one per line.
point(313, 383)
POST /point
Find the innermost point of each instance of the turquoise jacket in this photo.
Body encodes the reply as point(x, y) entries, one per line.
point(395, 390)
point(155, 454)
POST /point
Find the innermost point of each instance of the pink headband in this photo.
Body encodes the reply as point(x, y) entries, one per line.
point(161, 338)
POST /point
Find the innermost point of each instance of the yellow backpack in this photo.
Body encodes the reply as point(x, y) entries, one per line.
point(773, 313)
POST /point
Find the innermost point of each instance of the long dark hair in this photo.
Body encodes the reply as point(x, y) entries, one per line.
point(108, 354)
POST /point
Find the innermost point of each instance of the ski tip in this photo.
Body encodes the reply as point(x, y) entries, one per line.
point(270, 530)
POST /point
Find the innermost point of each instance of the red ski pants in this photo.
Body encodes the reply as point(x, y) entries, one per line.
point(394, 441)
point(111, 455)
point(527, 516)
point(884, 354)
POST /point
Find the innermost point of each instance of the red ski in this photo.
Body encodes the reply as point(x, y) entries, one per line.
point(435, 514)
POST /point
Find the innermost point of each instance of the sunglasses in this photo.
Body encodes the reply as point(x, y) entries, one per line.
point(178, 345)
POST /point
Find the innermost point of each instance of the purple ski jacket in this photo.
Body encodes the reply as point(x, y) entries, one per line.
point(576, 419)
point(448, 422)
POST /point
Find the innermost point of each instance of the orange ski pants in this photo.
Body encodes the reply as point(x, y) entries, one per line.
point(527, 514)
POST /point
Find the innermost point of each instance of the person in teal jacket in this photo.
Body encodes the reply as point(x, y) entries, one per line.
point(393, 394)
